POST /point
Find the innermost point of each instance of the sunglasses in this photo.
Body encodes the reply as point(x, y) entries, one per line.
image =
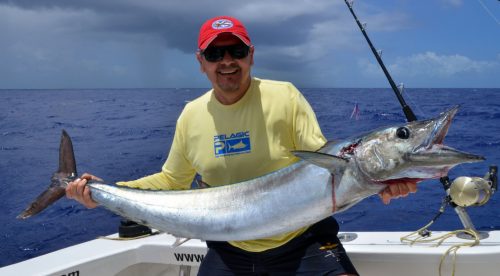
point(216, 53)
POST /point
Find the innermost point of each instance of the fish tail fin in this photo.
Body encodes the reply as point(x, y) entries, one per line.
point(59, 180)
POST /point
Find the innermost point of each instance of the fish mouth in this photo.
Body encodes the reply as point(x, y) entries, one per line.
point(441, 126)
point(432, 155)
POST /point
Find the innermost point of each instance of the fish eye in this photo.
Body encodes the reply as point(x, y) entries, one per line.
point(403, 133)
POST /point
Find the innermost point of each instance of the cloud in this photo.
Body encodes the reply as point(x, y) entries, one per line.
point(425, 67)
point(433, 64)
point(282, 22)
point(178, 22)
point(452, 3)
point(282, 10)
point(322, 39)
point(65, 36)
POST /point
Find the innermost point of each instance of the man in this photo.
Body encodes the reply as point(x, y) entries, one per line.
point(244, 128)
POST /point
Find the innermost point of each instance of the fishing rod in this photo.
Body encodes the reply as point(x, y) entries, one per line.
point(410, 116)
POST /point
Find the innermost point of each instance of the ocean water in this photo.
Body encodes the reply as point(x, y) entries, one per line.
point(124, 134)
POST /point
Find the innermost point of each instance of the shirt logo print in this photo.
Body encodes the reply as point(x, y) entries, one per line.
point(235, 143)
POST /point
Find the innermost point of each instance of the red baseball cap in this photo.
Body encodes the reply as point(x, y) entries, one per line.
point(218, 25)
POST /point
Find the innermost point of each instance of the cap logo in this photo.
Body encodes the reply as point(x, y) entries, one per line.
point(222, 24)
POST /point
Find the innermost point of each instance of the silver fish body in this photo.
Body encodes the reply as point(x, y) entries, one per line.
point(323, 183)
point(293, 197)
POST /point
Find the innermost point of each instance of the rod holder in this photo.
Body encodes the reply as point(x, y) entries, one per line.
point(468, 225)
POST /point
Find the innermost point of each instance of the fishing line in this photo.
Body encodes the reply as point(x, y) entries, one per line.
point(417, 238)
point(410, 99)
point(489, 12)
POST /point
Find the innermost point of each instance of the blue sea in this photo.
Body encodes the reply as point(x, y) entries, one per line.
point(124, 134)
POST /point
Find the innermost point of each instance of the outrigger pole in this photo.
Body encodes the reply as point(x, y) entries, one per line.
point(410, 116)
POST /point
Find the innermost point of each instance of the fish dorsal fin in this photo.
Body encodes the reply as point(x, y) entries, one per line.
point(333, 163)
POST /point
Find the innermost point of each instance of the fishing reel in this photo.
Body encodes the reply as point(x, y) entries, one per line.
point(467, 191)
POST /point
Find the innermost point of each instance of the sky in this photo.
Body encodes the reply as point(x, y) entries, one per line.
point(62, 44)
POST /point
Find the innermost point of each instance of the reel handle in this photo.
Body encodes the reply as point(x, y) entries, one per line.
point(493, 177)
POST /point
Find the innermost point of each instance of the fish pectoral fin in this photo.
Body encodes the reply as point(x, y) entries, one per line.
point(330, 162)
point(179, 241)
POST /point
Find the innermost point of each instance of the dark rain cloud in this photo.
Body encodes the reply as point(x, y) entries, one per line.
point(176, 22)
point(103, 41)
point(146, 35)
point(127, 17)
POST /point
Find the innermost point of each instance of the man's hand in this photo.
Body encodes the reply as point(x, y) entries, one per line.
point(401, 189)
point(79, 191)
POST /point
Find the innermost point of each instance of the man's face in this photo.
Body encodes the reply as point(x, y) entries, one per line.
point(229, 75)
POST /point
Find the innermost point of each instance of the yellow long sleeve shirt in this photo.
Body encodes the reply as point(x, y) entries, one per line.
point(227, 144)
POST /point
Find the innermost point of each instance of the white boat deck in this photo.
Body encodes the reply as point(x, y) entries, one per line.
point(373, 253)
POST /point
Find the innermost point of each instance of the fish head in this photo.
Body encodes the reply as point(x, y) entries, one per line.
point(413, 151)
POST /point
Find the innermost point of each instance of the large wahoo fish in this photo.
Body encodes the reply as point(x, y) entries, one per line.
point(323, 183)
